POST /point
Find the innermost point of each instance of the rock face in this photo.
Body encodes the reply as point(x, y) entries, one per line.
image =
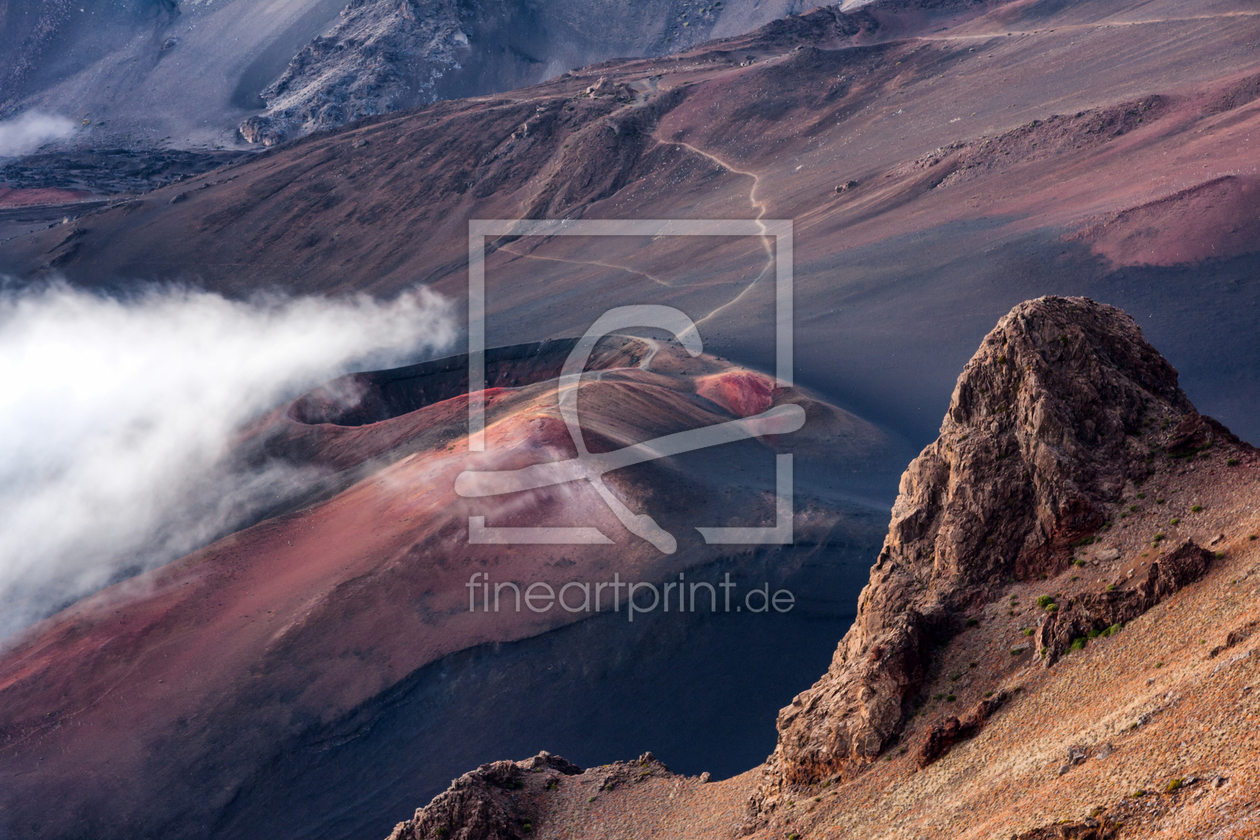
point(482, 805)
point(1096, 612)
point(1043, 431)
point(508, 800)
point(942, 738)
point(380, 56)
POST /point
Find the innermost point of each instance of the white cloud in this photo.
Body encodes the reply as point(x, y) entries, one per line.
point(116, 416)
point(26, 133)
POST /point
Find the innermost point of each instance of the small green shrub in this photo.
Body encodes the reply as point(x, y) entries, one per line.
point(1139, 793)
point(1079, 643)
point(971, 622)
point(1044, 601)
point(1112, 630)
point(1232, 462)
point(950, 698)
point(1175, 521)
point(1174, 785)
point(1027, 631)
point(1111, 587)
point(1196, 508)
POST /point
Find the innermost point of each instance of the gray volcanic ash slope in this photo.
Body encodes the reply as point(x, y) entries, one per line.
point(190, 72)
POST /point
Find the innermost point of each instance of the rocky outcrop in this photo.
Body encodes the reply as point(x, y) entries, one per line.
point(1042, 434)
point(484, 804)
point(382, 55)
point(1086, 616)
point(942, 737)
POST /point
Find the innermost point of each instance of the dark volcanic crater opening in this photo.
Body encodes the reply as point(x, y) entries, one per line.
point(358, 399)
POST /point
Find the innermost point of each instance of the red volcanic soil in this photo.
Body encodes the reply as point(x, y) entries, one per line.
point(742, 393)
point(10, 197)
point(199, 673)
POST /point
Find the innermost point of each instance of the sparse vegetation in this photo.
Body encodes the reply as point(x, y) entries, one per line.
point(1174, 785)
point(1078, 643)
point(1196, 508)
point(1231, 462)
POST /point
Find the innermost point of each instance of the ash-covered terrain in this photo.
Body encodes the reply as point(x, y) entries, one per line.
point(208, 74)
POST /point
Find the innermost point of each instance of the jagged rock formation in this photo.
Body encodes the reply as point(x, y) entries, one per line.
point(504, 800)
point(1096, 612)
point(941, 738)
point(482, 805)
point(1043, 431)
point(380, 56)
